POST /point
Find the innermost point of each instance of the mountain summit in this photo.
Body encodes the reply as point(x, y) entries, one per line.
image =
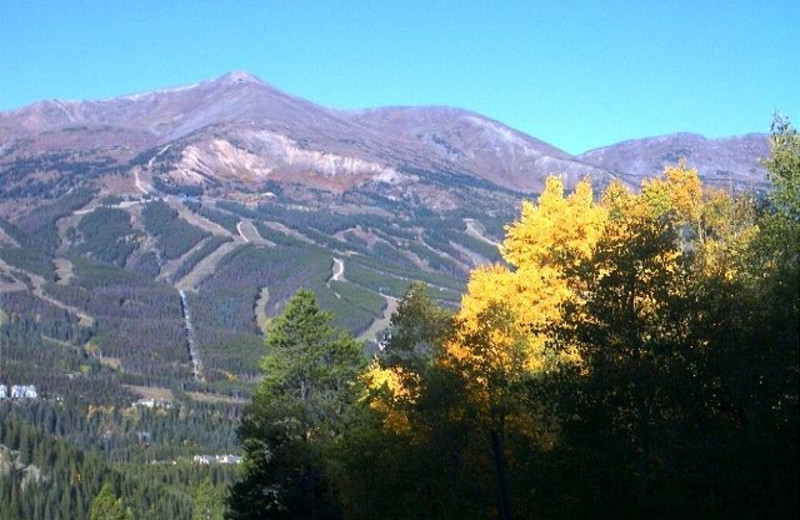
point(238, 129)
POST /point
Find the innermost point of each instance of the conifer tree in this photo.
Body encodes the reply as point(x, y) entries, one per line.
point(106, 506)
point(296, 416)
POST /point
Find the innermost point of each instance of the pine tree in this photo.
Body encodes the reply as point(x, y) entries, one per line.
point(296, 415)
point(106, 506)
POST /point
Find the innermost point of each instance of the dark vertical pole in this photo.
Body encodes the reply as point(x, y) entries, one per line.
point(499, 461)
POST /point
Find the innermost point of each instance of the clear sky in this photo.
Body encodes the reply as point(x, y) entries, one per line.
point(577, 74)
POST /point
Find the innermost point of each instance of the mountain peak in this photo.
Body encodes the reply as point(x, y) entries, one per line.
point(240, 76)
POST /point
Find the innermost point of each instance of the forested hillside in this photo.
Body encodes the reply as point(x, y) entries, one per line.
point(149, 245)
point(636, 356)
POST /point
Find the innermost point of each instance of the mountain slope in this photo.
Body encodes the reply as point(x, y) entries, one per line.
point(255, 127)
point(133, 226)
point(479, 145)
point(726, 162)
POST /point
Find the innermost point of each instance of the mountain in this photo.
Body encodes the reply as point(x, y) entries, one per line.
point(731, 162)
point(479, 146)
point(146, 239)
point(239, 128)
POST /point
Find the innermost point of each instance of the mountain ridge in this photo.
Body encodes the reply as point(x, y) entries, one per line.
point(383, 138)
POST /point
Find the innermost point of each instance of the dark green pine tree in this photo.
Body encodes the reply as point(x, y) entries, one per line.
point(106, 506)
point(296, 417)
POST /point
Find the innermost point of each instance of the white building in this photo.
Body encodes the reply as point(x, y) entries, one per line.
point(153, 403)
point(217, 459)
point(24, 392)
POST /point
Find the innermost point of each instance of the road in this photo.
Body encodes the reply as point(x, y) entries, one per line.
point(337, 270)
point(476, 232)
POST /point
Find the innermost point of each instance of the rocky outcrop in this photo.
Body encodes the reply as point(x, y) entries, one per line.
point(11, 466)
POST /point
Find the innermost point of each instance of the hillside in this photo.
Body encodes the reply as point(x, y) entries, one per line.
point(135, 226)
point(732, 162)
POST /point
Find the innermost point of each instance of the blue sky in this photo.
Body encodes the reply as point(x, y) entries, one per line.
point(577, 74)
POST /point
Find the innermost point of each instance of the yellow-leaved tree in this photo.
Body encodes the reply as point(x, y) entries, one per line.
point(634, 355)
point(539, 248)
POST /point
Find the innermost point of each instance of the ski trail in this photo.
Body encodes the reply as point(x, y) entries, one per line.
point(382, 322)
point(475, 232)
point(337, 270)
point(241, 234)
point(197, 364)
point(138, 181)
point(261, 310)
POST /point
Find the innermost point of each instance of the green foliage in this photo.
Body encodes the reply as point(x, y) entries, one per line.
point(137, 320)
point(174, 235)
point(664, 386)
point(67, 175)
point(106, 506)
point(416, 329)
point(209, 502)
point(40, 224)
point(81, 484)
point(226, 220)
point(394, 281)
point(783, 167)
point(32, 260)
point(108, 235)
point(276, 237)
point(296, 418)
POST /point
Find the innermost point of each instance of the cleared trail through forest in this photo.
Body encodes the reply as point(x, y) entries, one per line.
point(198, 220)
point(382, 323)
point(474, 230)
point(64, 271)
point(194, 354)
point(137, 181)
point(205, 267)
point(169, 269)
point(337, 275)
point(250, 234)
point(261, 309)
point(38, 290)
point(337, 270)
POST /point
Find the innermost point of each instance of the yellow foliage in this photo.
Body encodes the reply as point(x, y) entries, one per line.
point(557, 233)
point(394, 380)
point(640, 248)
point(685, 191)
point(390, 390)
point(553, 237)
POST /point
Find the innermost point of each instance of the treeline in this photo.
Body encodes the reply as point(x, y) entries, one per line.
point(636, 357)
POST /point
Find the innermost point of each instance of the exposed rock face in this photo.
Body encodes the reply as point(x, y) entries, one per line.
point(11, 465)
point(238, 130)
